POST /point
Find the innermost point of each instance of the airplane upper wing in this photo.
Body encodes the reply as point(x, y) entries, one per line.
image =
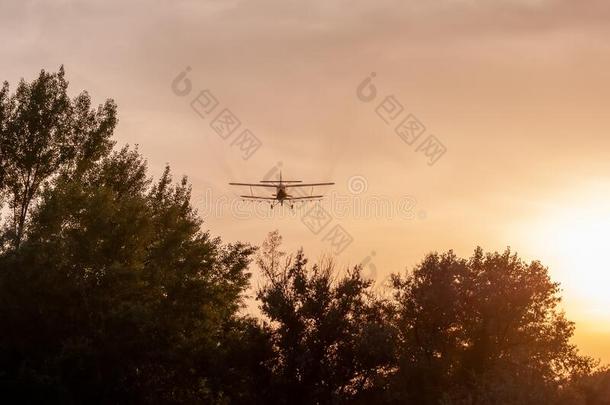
point(253, 185)
point(283, 181)
point(254, 197)
point(309, 184)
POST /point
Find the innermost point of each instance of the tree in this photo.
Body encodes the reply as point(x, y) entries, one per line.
point(43, 132)
point(331, 336)
point(589, 389)
point(482, 331)
point(114, 294)
point(111, 292)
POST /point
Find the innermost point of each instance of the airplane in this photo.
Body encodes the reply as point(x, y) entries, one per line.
point(281, 192)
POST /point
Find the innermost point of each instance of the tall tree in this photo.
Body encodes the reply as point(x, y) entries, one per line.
point(110, 292)
point(332, 339)
point(484, 330)
point(44, 132)
point(115, 294)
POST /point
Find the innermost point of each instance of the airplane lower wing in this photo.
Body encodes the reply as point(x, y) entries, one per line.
point(309, 197)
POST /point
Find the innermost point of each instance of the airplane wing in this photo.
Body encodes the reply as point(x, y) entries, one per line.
point(282, 181)
point(309, 197)
point(253, 185)
point(309, 184)
point(253, 197)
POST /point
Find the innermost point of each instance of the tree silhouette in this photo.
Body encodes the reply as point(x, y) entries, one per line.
point(111, 292)
point(44, 132)
point(483, 330)
point(331, 336)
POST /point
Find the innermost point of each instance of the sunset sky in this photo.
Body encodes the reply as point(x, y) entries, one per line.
point(516, 90)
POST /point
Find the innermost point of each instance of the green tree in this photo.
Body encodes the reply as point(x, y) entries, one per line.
point(114, 294)
point(589, 389)
point(42, 133)
point(485, 330)
point(331, 336)
point(110, 292)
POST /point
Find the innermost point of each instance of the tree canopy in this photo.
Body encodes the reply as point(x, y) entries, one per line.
point(486, 329)
point(112, 292)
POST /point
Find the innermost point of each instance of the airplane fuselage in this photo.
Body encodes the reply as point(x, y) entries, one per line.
point(281, 193)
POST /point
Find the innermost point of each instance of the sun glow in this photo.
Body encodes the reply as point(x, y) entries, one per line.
point(575, 241)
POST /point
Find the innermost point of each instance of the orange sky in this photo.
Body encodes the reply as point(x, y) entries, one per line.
point(516, 90)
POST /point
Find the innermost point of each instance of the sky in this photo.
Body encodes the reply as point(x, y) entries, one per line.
point(511, 94)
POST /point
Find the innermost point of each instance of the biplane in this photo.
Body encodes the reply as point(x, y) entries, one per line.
point(282, 194)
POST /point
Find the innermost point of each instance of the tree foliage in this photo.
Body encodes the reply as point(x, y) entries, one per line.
point(331, 336)
point(482, 330)
point(42, 133)
point(111, 292)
